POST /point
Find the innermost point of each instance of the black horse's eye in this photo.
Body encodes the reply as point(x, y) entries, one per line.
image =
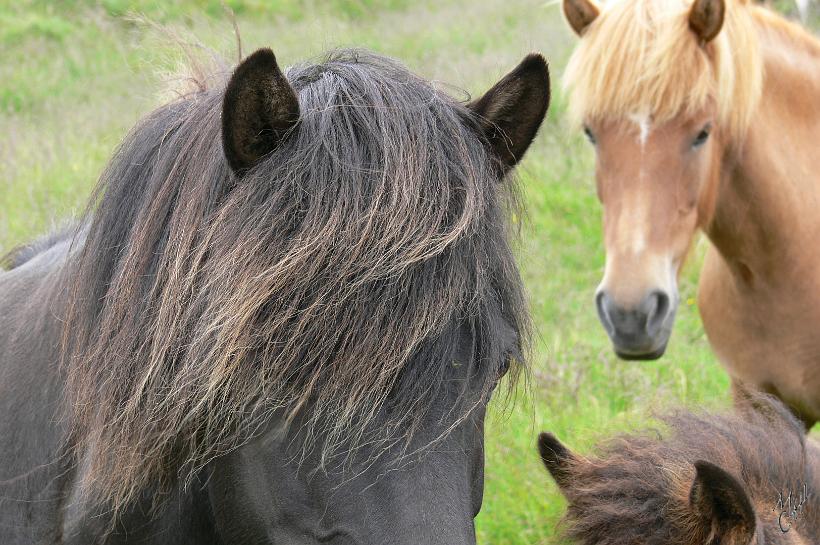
point(590, 136)
point(504, 368)
point(702, 136)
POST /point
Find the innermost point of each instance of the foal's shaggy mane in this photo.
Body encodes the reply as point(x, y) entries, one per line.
point(337, 275)
point(641, 57)
point(636, 488)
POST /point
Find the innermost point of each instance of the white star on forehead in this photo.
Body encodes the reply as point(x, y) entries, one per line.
point(644, 122)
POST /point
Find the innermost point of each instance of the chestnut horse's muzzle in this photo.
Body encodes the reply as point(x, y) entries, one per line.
point(639, 332)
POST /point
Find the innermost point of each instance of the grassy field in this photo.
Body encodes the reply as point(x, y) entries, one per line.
point(75, 77)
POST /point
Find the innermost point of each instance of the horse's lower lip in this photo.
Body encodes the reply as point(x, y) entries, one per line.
point(641, 356)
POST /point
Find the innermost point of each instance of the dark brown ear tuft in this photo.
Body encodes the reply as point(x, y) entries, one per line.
point(511, 112)
point(259, 108)
point(721, 502)
point(556, 458)
point(706, 19)
point(580, 14)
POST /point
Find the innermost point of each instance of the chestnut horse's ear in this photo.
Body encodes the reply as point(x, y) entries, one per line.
point(556, 458)
point(721, 502)
point(579, 14)
point(259, 108)
point(706, 19)
point(511, 112)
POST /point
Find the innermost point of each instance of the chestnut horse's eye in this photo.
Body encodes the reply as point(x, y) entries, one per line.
point(590, 136)
point(702, 136)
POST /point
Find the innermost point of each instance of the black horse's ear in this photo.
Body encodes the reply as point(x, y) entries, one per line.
point(512, 111)
point(556, 458)
point(721, 502)
point(259, 108)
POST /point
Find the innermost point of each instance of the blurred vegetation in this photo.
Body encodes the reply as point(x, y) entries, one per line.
point(77, 74)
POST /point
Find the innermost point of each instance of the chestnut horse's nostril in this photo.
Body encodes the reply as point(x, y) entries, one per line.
point(604, 303)
point(657, 308)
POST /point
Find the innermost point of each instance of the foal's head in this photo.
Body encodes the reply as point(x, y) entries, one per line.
point(747, 479)
point(663, 89)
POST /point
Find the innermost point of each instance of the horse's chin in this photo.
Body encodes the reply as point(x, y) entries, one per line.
point(641, 356)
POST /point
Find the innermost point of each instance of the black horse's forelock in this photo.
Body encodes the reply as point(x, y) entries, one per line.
point(334, 276)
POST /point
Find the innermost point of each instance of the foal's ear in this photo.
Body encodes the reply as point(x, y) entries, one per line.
point(579, 14)
point(259, 108)
point(556, 458)
point(706, 19)
point(511, 112)
point(722, 503)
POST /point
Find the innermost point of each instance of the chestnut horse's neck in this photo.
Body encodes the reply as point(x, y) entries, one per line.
point(768, 205)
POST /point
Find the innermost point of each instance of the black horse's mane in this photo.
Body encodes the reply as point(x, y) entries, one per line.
point(336, 274)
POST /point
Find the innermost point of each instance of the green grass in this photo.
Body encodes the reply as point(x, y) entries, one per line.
point(76, 75)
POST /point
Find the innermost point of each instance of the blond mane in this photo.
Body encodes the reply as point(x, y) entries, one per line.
point(639, 56)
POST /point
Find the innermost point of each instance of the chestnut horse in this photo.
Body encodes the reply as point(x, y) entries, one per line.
point(744, 478)
point(705, 115)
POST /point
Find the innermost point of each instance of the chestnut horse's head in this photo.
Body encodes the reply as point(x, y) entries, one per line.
point(663, 88)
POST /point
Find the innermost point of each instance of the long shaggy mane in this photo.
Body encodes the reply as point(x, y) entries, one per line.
point(640, 57)
point(636, 488)
point(332, 278)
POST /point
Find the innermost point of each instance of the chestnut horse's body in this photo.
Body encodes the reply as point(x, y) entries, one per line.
point(676, 75)
point(759, 293)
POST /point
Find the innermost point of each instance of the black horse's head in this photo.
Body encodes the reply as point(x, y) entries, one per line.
point(300, 285)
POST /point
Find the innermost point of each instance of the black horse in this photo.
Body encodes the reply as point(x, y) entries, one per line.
point(281, 320)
